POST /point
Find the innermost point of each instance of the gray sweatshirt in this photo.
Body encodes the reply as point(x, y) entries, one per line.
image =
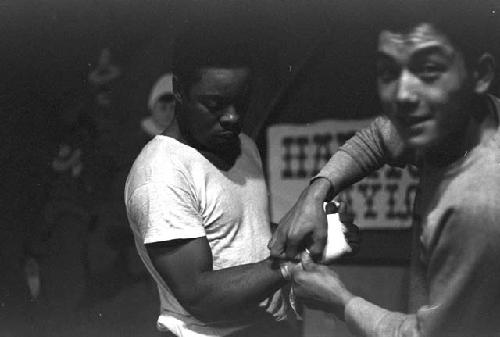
point(456, 216)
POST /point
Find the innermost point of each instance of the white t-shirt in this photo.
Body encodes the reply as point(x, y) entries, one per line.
point(174, 192)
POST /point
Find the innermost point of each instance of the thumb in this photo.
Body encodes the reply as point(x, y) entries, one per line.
point(276, 244)
point(307, 261)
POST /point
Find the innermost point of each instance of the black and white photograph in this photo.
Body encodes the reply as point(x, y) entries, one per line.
point(249, 168)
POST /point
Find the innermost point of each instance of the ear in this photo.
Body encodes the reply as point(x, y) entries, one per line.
point(177, 89)
point(484, 73)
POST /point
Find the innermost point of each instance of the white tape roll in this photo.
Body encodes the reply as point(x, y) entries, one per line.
point(336, 243)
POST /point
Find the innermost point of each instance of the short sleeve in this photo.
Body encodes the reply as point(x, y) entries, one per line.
point(165, 208)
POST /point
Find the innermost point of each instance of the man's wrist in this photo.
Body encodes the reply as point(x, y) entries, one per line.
point(321, 189)
point(346, 297)
point(286, 273)
point(286, 269)
point(280, 267)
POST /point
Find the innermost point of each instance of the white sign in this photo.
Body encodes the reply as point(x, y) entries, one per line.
point(297, 152)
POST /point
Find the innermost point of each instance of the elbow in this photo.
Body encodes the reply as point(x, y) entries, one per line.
point(208, 310)
point(198, 307)
point(200, 313)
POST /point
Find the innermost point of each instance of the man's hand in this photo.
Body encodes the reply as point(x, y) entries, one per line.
point(304, 226)
point(319, 286)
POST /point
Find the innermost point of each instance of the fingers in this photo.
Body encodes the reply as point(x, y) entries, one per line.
point(285, 245)
point(307, 261)
point(301, 227)
point(282, 244)
point(292, 247)
point(277, 244)
point(319, 237)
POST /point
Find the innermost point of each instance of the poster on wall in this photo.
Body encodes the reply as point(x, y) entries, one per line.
point(384, 200)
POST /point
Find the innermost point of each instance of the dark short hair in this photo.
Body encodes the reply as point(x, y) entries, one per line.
point(471, 26)
point(210, 43)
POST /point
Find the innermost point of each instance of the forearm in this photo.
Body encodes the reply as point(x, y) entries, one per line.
point(368, 150)
point(341, 171)
point(233, 291)
point(365, 319)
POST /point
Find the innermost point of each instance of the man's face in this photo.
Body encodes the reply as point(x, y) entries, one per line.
point(213, 108)
point(423, 85)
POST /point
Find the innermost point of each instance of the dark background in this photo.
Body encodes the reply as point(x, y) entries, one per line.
point(315, 62)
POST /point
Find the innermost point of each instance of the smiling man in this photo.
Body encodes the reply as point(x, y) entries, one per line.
point(197, 201)
point(433, 75)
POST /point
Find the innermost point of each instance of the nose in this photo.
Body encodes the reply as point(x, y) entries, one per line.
point(230, 119)
point(406, 95)
point(406, 88)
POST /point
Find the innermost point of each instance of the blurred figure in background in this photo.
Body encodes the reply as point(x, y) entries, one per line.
point(101, 78)
point(161, 106)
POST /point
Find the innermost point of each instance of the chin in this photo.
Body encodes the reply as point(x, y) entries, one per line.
point(422, 142)
point(228, 142)
point(229, 148)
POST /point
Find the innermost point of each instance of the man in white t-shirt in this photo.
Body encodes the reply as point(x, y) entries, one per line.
point(197, 202)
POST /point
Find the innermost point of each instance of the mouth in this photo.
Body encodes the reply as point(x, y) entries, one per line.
point(228, 135)
point(414, 120)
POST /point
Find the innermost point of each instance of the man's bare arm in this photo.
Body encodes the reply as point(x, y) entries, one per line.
point(186, 267)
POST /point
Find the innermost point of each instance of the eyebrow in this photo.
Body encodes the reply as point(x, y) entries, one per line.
point(418, 53)
point(434, 49)
point(217, 95)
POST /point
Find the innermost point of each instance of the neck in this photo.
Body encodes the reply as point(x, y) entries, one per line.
point(222, 162)
point(455, 147)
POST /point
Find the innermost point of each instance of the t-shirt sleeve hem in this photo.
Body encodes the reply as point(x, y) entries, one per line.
point(163, 238)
